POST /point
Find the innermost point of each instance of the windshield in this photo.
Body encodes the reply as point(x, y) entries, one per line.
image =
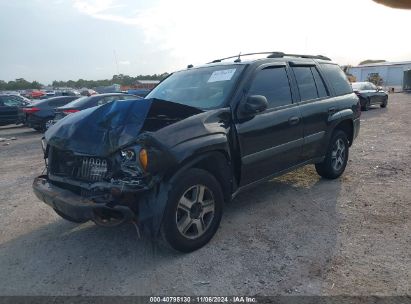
point(203, 88)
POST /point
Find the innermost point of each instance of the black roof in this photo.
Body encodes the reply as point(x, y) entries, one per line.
point(271, 56)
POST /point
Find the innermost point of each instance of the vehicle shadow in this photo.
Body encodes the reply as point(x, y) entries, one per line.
point(277, 238)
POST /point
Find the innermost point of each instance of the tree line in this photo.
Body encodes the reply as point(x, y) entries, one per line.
point(125, 80)
point(19, 84)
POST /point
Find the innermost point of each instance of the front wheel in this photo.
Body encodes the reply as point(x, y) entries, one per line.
point(336, 158)
point(193, 212)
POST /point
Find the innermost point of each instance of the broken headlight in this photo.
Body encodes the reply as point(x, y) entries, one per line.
point(128, 155)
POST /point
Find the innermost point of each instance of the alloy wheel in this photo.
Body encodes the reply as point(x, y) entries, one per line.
point(195, 211)
point(338, 154)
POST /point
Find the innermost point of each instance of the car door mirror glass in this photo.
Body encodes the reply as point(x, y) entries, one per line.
point(255, 104)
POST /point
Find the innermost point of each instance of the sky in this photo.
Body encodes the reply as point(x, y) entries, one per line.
point(48, 40)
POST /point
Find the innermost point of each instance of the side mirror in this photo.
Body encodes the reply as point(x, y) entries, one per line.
point(255, 104)
point(379, 89)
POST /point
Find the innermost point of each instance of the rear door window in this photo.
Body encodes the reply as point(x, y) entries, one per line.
point(272, 83)
point(337, 78)
point(319, 82)
point(305, 82)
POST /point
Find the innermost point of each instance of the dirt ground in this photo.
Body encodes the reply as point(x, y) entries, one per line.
point(297, 234)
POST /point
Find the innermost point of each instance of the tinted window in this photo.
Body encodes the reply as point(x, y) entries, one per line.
point(337, 79)
point(305, 82)
point(11, 101)
point(58, 102)
point(319, 82)
point(273, 84)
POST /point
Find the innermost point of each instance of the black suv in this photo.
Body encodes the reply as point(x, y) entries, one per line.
point(170, 161)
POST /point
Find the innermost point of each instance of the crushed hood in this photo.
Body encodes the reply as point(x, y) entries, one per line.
point(102, 130)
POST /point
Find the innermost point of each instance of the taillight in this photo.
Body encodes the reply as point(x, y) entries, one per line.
point(67, 112)
point(30, 110)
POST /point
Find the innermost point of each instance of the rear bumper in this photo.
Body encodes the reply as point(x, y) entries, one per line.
point(76, 206)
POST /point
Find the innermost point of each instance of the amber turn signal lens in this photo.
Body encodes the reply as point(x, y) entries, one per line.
point(143, 159)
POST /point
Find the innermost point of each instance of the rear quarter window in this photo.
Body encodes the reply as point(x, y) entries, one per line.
point(337, 78)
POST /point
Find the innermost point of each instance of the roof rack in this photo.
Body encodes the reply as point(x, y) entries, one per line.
point(272, 55)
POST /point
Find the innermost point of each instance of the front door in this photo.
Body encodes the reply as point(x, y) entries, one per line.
point(270, 141)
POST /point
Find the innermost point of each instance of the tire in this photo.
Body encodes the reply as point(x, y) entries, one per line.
point(193, 211)
point(384, 104)
point(68, 218)
point(367, 105)
point(336, 158)
point(48, 124)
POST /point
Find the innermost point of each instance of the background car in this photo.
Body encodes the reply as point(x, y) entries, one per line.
point(10, 109)
point(370, 94)
point(40, 115)
point(87, 92)
point(88, 102)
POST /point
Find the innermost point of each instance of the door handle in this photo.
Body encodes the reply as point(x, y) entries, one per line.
point(294, 120)
point(331, 110)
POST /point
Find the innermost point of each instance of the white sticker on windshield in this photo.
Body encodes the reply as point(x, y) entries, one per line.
point(222, 75)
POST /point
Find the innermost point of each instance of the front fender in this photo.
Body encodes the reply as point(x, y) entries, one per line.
point(201, 145)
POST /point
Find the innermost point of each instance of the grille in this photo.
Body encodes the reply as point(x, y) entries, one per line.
point(90, 169)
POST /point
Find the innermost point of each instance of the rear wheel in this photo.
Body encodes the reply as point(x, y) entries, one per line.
point(193, 212)
point(336, 158)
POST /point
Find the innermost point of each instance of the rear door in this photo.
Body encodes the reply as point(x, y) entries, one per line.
point(271, 141)
point(316, 106)
point(319, 114)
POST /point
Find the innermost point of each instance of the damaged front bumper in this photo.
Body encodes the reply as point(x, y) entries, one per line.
point(81, 208)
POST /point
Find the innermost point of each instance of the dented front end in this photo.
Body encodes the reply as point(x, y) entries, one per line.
point(107, 190)
point(102, 163)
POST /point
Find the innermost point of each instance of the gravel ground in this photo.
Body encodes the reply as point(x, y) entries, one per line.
point(297, 234)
